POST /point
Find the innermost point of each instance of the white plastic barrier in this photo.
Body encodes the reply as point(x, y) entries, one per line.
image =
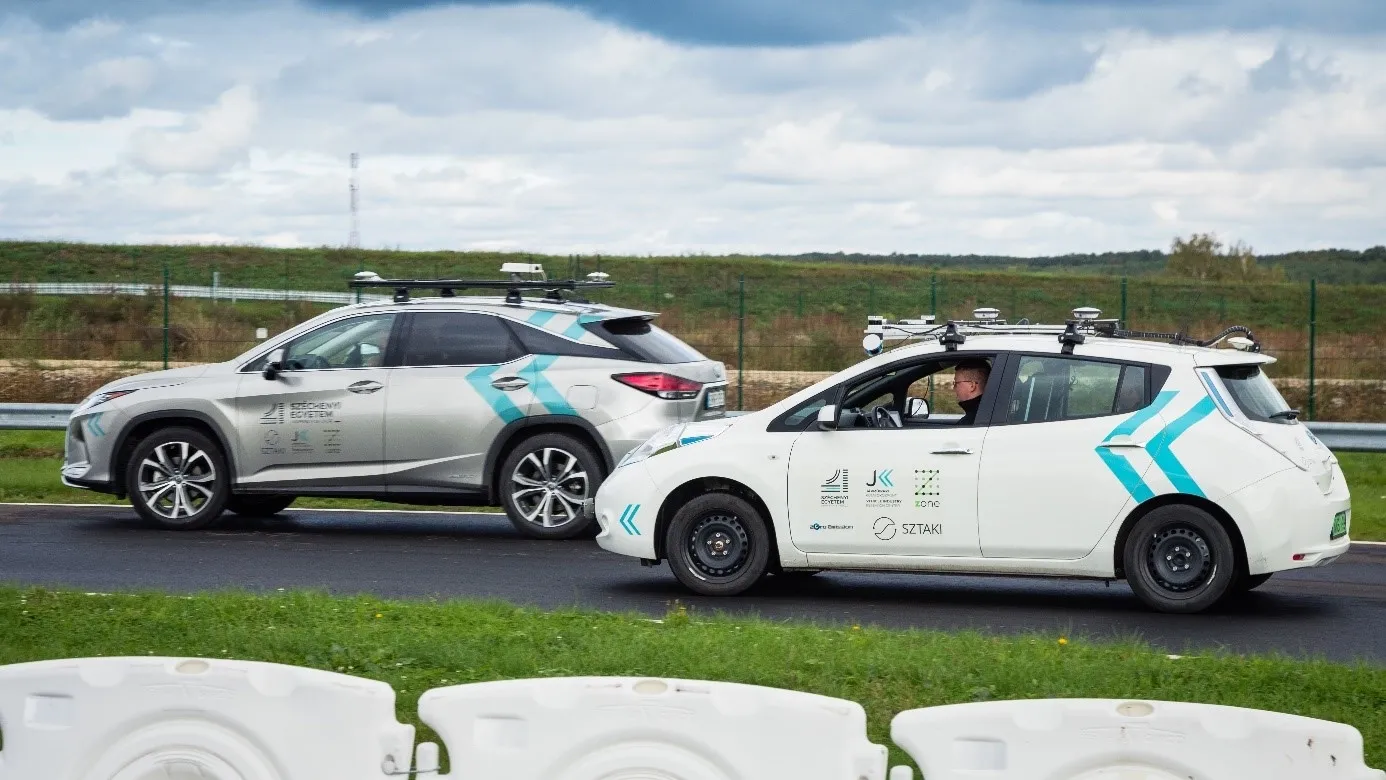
point(199, 719)
point(592, 728)
point(1112, 739)
point(194, 719)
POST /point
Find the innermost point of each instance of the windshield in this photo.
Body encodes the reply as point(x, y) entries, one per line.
point(1254, 394)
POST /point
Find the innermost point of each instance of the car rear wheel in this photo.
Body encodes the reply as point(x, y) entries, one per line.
point(544, 481)
point(258, 506)
point(1180, 559)
point(718, 545)
point(177, 478)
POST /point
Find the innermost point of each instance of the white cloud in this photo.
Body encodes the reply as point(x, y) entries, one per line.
point(205, 143)
point(531, 127)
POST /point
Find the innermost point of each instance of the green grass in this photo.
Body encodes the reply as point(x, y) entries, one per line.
point(29, 463)
point(415, 646)
point(709, 285)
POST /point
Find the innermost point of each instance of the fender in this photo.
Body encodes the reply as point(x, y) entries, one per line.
point(163, 414)
point(518, 428)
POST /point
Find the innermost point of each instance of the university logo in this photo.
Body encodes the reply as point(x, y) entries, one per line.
point(274, 416)
point(837, 483)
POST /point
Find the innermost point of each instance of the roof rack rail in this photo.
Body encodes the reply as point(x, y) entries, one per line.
point(513, 286)
point(1086, 321)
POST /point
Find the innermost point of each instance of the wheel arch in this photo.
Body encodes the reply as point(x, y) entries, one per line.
point(145, 425)
point(1178, 499)
point(702, 486)
point(515, 433)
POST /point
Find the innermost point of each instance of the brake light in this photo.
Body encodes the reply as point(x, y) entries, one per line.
point(666, 386)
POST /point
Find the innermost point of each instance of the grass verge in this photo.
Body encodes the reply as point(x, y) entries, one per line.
point(29, 463)
point(415, 646)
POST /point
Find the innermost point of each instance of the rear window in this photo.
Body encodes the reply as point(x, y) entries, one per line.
point(640, 339)
point(1254, 394)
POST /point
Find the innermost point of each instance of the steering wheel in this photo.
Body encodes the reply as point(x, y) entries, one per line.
point(880, 418)
point(311, 361)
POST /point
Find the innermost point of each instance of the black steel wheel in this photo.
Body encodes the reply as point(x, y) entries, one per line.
point(1179, 558)
point(718, 545)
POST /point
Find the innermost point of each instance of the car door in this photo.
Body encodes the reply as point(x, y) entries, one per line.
point(908, 490)
point(1061, 462)
point(320, 422)
point(460, 381)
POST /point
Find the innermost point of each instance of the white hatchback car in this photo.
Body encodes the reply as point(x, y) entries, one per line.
point(1166, 461)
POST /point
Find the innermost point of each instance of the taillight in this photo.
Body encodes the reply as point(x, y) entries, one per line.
point(666, 386)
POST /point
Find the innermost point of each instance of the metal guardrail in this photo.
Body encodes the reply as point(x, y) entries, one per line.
point(1340, 436)
point(35, 417)
point(231, 294)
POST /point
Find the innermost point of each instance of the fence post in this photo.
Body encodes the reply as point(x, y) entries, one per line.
point(656, 288)
point(801, 298)
point(1123, 301)
point(741, 347)
point(933, 311)
point(1313, 330)
point(871, 297)
point(166, 314)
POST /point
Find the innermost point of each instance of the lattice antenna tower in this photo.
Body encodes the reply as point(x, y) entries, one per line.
point(354, 241)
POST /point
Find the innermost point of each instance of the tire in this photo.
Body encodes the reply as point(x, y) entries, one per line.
point(258, 506)
point(1180, 559)
point(554, 472)
point(717, 545)
point(1250, 582)
point(177, 478)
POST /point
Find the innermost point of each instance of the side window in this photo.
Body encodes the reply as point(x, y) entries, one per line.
point(1048, 389)
point(537, 341)
point(448, 338)
point(355, 342)
point(802, 416)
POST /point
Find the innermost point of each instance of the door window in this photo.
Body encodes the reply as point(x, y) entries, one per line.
point(962, 381)
point(448, 338)
point(356, 342)
point(1047, 389)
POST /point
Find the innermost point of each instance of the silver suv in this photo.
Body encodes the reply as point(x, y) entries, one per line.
point(517, 402)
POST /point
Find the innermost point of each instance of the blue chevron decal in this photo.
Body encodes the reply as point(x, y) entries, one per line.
point(628, 519)
point(538, 318)
point(1120, 467)
point(1159, 447)
point(480, 380)
point(576, 330)
point(543, 389)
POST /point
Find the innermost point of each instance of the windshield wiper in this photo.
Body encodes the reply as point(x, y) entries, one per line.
point(1288, 414)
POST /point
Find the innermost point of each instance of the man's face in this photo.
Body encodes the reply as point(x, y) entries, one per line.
point(968, 384)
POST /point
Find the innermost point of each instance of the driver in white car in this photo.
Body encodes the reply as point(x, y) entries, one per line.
point(969, 382)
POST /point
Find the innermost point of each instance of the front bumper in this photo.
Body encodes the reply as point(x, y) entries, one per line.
point(626, 508)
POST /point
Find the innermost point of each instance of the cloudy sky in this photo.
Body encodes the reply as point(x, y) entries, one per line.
point(697, 126)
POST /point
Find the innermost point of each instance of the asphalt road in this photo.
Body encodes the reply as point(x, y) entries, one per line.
point(1337, 612)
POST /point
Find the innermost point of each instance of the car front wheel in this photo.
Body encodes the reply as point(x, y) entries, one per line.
point(1180, 559)
point(177, 478)
point(718, 545)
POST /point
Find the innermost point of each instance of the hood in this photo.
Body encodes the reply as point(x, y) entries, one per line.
point(173, 376)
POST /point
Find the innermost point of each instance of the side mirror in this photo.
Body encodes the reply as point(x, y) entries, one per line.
point(827, 418)
point(916, 408)
point(275, 364)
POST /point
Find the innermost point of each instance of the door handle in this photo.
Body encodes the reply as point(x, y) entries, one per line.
point(509, 383)
point(364, 386)
point(953, 451)
point(1122, 442)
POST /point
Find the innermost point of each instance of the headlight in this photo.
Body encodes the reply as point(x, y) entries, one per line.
point(673, 437)
point(101, 398)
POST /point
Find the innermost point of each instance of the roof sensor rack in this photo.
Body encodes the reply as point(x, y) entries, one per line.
point(1086, 321)
point(447, 288)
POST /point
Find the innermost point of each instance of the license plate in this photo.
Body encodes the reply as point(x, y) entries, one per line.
point(716, 399)
point(1340, 526)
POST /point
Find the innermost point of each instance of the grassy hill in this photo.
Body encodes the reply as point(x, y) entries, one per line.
point(801, 314)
